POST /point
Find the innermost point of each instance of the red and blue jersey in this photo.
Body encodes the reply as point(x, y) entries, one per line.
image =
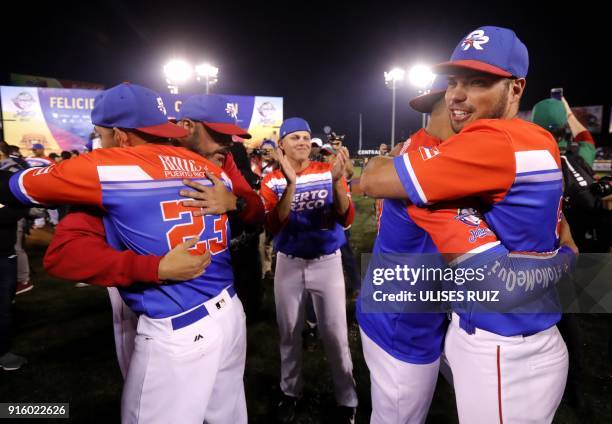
point(403, 228)
point(138, 188)
point(512, 167)
point(34, 161)
point(313, 227)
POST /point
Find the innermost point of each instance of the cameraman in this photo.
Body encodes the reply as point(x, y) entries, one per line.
point(588, 220)
point(582, 208)
point(268, 164)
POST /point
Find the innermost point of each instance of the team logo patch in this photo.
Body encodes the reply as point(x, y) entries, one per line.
point(232, 110)
point(160, 105)
point(469, 216)
point(429, 152)
point(475, 39)
point(472, 218)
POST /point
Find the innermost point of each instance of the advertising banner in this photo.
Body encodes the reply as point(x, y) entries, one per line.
point(60, 118)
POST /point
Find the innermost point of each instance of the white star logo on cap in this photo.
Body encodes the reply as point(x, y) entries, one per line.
point(160, 105)
point(475, 39)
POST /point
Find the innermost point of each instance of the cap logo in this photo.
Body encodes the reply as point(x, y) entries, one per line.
point(475, 39)
point(160, 105)
point(232, 110)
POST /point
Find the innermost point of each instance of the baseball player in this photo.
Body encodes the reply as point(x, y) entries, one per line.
point(307, 205)
point(190, 347)
point(514, 167)
point(403, 350)
point(104, 266)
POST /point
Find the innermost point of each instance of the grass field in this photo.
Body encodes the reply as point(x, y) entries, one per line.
point(66, 334)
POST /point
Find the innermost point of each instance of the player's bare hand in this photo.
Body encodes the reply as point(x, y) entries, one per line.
point(181, 263)
point(215, 200)
point(340, 164)
point(565, 236)
point(285, 166)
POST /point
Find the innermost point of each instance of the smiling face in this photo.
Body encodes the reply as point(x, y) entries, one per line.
point(475, 95)
point(297, 145)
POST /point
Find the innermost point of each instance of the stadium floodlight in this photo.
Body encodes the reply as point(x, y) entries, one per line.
point(177, 72)
point(208, 73)
point(421, 76)
point(392, 78)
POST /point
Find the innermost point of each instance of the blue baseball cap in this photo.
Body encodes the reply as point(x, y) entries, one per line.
point(270, 142)
point(37, 146)
point(132, 106)
point(292, 125)
point(216, 112)
point(489, 49)
point(425, 102)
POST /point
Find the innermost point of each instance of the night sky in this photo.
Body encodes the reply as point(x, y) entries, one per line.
point(327, 61)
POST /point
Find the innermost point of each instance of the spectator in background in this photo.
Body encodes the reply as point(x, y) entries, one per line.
point(38, 157)
point(75, 152)
point(585, 215)
point(65, 155)
point(556, 116)
point(268, 164)
point(317, 143)
point(383, 150)
point(15, 151)
point(55, 157)
point(9, 216)
point(16, 155)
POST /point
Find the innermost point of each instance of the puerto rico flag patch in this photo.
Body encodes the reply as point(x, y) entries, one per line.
point(429, 152)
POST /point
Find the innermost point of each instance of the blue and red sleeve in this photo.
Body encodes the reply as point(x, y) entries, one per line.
point(478, 162)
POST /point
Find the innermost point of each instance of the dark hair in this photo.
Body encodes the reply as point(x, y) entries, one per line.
point(65, 155)
point(149, 138)
point(53, 156)
point(5, 148)
point(75, 152)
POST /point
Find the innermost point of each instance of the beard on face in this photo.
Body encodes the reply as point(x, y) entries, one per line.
point(498, 110)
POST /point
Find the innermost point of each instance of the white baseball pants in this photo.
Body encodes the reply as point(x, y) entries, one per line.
point(401, 391)
point(192, 374)
point(506, 379)
point(324, 280)
point(124, 328)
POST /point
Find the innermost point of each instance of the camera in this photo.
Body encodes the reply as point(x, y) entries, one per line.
point(603, 187)
point(556, 93)
point(335, 137)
